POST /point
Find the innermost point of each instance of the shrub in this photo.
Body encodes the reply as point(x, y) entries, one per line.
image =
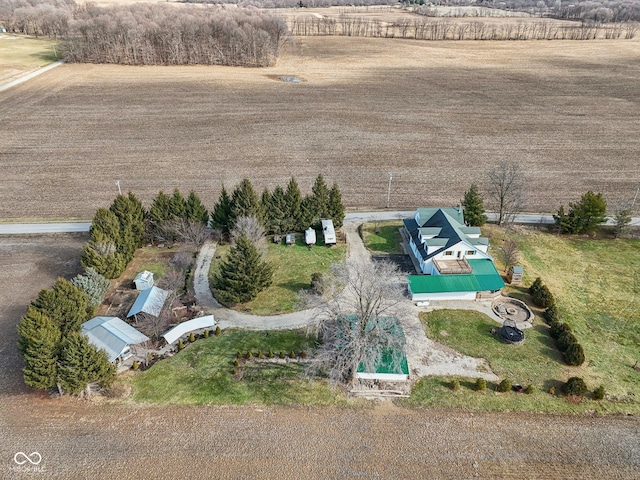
point(564, 340)
point(575, 386)
point(135, 365)
point(218, 330)
point(598, 393)
point(281, 355)
point(234, 371)
point(504, 386)
point(481, 385)
point(574, 355)
point(558, 328)
point(292, 354)
point(455, 384)
point(260, 354)
point(180, 344)
point(551, 315)
point(236, 363)
point(270, 354)
point(192, 337)
point(303, 354)
point(543, 298)
point(206, 334)
point(535, 286)
point(317, 283)
point(552, 391)
point(238, 354)
point(529, 389)
point(249, 355)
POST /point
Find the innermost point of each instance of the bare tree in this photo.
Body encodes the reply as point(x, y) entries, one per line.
point(182, 230)
point(511, 253)
point(506, 190)
point(252, 228)
point(154, 326)
point(622, 221)
point(361, 323)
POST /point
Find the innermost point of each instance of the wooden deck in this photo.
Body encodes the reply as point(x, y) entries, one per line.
point(452, 267)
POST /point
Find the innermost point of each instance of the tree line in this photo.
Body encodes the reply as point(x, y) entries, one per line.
point(449, 29)
point(151, 34)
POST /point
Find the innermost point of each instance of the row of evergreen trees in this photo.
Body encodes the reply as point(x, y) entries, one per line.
point(55, 351)
point(280, 211)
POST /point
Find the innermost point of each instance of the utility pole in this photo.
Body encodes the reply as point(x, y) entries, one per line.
point(389, 189)
point(118, 185)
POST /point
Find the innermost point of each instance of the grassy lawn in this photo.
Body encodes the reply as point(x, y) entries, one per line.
point(20, 54)
point(387, 240)
point(203, 374)
point(293, 267)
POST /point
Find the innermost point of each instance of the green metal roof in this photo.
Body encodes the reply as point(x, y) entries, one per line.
point(483, 277)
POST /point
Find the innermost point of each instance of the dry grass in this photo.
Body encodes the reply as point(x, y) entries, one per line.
point(436, 114)
point(21, 54)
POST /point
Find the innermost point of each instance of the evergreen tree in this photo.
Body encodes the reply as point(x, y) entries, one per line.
point(130, 214)
point(93, 284)
point(195, 211)
point(177, 205)
point(245, 202)
point(265, 203)
point(80, 364)
point(221, 215)
point(320, 195)
point(38, 343)
point(584, 216)
point(66, 305)
point(277, 211)
point(160, 210)
point(473, 206)
point(243, 273)
point(102, 255)
point(336, 208)
point(293, 201)
point(106, 223)
point(307, 214)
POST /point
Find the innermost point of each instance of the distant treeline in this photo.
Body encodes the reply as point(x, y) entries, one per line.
point(296, 3)
point(448, 29)
point(153, 34)
point(601, 11)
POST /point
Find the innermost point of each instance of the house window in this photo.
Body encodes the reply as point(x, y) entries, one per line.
point(448, 253)
point(471, 252)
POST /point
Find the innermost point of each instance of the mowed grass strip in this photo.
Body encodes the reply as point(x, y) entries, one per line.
point(382, 237)
point(293, 266)
point(21, 54)
point(202, 373)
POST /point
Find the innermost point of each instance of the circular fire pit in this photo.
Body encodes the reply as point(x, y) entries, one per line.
point(509, 308)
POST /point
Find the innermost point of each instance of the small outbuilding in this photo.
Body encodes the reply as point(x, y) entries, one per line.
point(310, 236)
point(328, 232)
point(112, 335)
point(143, 280)
point(149, 301)
point(514, 275)
point(290, 239)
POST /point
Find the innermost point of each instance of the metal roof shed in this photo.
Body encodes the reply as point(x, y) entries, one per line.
point(149, 301)
point(143, 280)
point(189, 326)
point(112, 335)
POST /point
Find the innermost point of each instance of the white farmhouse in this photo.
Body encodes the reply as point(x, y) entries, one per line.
point(442, 244)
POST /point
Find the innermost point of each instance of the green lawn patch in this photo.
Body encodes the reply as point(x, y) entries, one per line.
point(293, 267)
point(382, 237)
point(21, 54)
point(202, 373)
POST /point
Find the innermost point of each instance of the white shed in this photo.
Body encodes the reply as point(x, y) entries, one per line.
point(328, 232)
point(143, 280)
point(310, 236)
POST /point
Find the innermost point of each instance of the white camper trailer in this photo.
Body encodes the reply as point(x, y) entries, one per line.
point(310, 236)
point(328, 232)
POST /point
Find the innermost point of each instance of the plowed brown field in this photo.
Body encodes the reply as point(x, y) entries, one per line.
point(437, 115)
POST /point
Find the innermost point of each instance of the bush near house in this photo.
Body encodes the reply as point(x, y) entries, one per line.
point(575, 386)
